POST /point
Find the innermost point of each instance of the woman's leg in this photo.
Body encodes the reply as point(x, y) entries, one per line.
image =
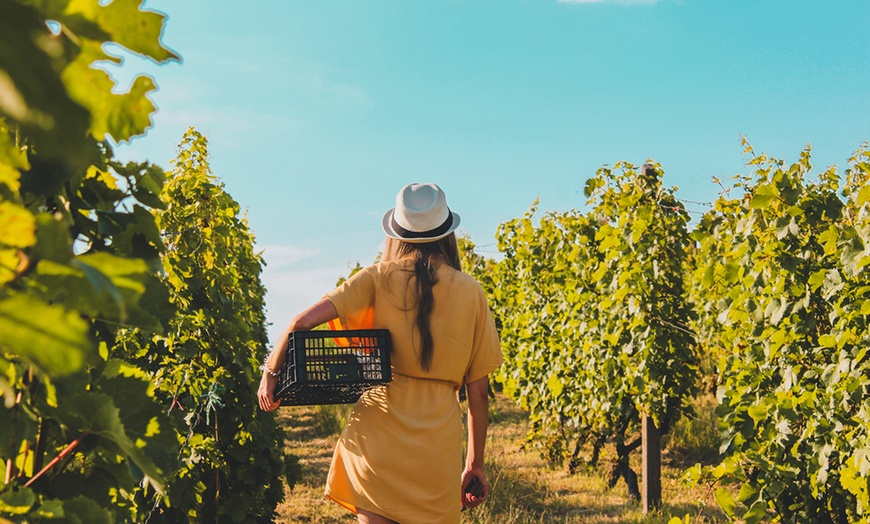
point(367, 517)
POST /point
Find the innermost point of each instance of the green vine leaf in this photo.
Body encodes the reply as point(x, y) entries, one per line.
point(97, 414)
point(83, 509)
point(52, 337)
point(31, 93)
point(17, 502)
point(122, 116)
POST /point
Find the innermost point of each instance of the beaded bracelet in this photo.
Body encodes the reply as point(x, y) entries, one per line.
point(265, 368)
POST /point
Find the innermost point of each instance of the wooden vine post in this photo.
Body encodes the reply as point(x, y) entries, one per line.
point(651, 466)
point(651, 463)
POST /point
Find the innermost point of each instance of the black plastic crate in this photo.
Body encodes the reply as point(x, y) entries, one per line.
point(333, 367)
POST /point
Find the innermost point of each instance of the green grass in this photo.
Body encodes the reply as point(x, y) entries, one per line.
point(524, 488)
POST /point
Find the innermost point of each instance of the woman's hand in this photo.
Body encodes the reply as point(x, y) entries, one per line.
point(266, 392)
point(475, 488)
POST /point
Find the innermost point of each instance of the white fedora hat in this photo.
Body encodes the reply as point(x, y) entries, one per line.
point(421, 215)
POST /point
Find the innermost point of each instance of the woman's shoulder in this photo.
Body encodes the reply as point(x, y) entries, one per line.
point(365, 272)
point(458, 280)
point(385, 268)
point(465, 278)
point(464, 281)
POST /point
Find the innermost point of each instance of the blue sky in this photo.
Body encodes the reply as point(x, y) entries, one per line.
point(317, 112)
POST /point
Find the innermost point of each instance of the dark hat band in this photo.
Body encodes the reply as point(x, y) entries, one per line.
point(440, 230)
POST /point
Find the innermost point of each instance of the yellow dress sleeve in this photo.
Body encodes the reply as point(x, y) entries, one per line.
point(354, 300)
point(486, 354)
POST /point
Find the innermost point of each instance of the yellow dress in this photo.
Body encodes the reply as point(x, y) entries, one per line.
point(400, 455)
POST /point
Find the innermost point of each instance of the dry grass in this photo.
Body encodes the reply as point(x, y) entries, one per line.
point(311, 436)
point(524, 488)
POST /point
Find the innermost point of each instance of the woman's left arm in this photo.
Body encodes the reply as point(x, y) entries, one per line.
point(478, 422)
point(320, 312)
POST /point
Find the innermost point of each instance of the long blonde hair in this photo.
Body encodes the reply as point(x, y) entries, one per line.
point(427, 257)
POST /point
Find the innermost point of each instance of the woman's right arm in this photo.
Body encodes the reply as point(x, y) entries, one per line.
point(322, 311)
point(478, 421)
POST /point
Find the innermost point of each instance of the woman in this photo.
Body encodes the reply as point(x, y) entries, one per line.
point(399, 456)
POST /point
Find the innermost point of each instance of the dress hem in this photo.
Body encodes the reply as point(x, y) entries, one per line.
point(346, 505)
point(353, 508)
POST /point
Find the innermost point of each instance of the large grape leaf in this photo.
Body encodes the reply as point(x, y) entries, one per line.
point(96, 413)
point(17, 502)
point(121, 22)
point(81, 287)
point(145, 296)
point(55, 113)
point(52, 239)
point(145, 420)
point(121, 115)
point(82, 510)
point(107, 287)
point(31, 92)
point(52, 337)
point(126, 24)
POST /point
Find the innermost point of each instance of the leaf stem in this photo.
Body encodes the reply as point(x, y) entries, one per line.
point(57, 459)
